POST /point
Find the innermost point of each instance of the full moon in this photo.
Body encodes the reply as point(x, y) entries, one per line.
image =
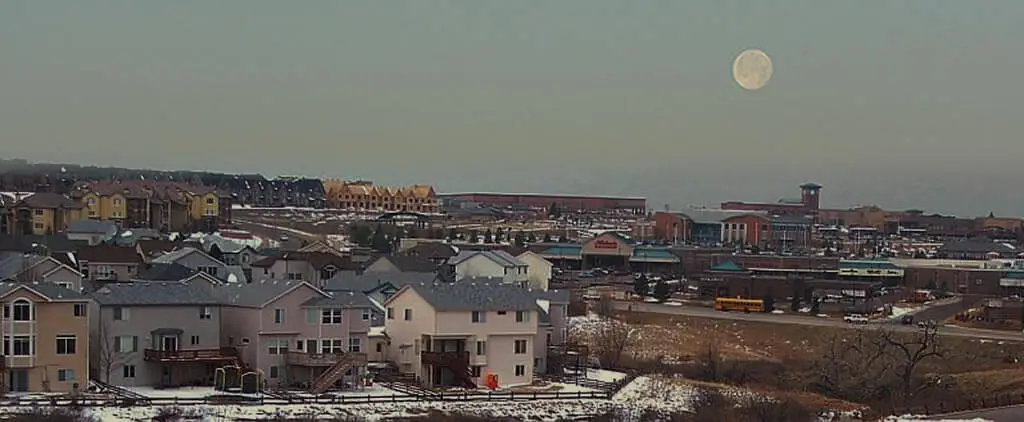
point(752, 69)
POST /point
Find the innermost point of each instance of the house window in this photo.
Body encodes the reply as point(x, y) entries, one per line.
point(120, 314)
point(22, 310)
point(105, 272)
point(481, 347)
point(22, 346)
point(128, 371)
point(502, 312)
point(380, 347)
point(277, 346)
point(391, 313)
point(38, 212)
point(478, 316)
point(366, 314)
point(64, 284)
point(332, 346)
point(195, 340)
point(330, 316)
point(65, 375)
point(38, 226)
point(208, 269)
point(520, 370)
point(127, 344)
point(328, 272)
point(475, 370)
point(66, 345)
point(355, 345)
point(7, 346)
point(520, 347)
point(294, 276)
point(205, 312)
point(278, 316)
point(245, 341)
point(408, 314)
point(522, 316)
point(274, 372)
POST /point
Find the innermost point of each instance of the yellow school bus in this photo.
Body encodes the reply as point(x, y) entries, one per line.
point(737, 304)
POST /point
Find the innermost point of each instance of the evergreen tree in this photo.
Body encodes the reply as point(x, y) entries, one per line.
point(662, 291)
point(488, 236)
point(380, 241)
point(554, 212)
point(361, 234)
point(531, 238)
point(452, 235)
point(474, 236)
point(547, 237)
point(641, 287)
point(499, 235)
point(520, 239)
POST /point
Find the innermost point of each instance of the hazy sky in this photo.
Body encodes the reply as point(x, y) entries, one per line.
point(900, 103)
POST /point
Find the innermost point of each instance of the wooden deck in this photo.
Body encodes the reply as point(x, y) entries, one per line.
point(222, 354)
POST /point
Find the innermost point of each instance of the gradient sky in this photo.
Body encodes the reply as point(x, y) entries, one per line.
point(905, 104)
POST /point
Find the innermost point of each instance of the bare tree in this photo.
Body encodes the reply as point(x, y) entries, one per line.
point(104, 353)
point(714, 367)
point(610, 340)
point(909, 352)
point(855, 367)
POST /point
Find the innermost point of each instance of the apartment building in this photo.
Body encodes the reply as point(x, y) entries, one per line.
point(45, 335)
point(297, 334)
point(44, 213)
point(155, 204)
point(364, 195)
point(455, 334)
point(157, 334)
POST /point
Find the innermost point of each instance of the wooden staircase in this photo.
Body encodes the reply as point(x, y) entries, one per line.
point(456, 362)
point(334, 373)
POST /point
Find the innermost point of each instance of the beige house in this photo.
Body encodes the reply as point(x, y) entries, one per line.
point(455, 334)
point(538, 270)
point(45, 330)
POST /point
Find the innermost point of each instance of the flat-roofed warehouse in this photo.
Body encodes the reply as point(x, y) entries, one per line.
point(634, 204)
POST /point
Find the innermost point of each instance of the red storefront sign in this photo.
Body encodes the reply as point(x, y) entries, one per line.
point(605, 244)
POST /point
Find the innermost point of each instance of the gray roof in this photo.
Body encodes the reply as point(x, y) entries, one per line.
point(155, 294)
point(175, 255)
point(368, 282)
point(253, 295)
point(501, 257)
point(12, 266)
point(165, 272)
point(238, 272)
point(50, 290)
point(92, 226)
point(357, 300)
point(476, 296)
point(553, 296)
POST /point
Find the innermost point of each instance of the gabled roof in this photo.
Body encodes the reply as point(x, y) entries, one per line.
point(92, 227)
point(553, 296)
point(174, 256)
point(50, 291)
point(728, 266)
point(49, 200)
point(348, 299)
point(155, 294)
point(318, 260)
point(225, 245)
point(14, 266)
point(499, 257)
point(109, 254)
point(258, 294)
point(432, 250)
point(155, 247)
point(161, 271)
point(369, 282)
point(473, 296)
point(407, 263)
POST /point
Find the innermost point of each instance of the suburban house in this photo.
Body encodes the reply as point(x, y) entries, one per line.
point(377, 286)
point(152, 248)
point(45, 213)
point(455, 334)
point(297, 334)
point(45, 332)
point(400, 264)
point(201, 261)
point(55, 245)
point(229, 251)
point(436, 252)
point(39, 268)
point(109, 262)
point(492, 264)
point(538, 272)
point(93, 232)
point(313, 267)
point(157, 334)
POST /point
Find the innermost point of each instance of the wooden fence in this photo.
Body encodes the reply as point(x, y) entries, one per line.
point(259, 400)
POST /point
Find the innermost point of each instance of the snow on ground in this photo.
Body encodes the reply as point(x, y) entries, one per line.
point(915, 418)
point(899, 311)
point(203, 392)
point(668, 395)
point(605, 375)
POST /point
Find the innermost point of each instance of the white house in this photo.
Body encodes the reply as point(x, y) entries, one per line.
point(488, 264)
point(538, 270)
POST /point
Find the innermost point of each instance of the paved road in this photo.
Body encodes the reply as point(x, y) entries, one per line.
point(702, 312)
point(294, 241)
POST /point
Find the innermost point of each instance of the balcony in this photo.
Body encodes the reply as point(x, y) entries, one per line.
point(323, 359)
point(445, 359)
point(192, 355)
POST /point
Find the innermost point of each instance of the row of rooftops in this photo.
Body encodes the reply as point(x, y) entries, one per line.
point(718, 216)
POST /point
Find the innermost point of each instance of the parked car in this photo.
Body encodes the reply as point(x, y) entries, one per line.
point(856, 319)
point(907, 319)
